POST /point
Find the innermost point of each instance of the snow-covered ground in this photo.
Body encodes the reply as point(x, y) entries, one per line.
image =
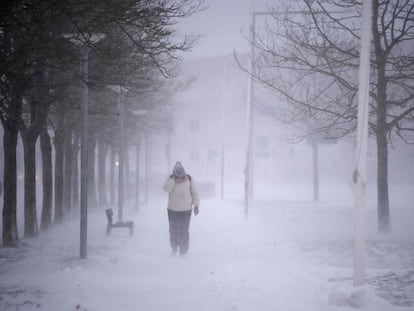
point(286, 256)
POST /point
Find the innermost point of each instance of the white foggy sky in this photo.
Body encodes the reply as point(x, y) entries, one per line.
point(222, 26)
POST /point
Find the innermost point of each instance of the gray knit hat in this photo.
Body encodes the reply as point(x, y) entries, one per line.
point(178, 170)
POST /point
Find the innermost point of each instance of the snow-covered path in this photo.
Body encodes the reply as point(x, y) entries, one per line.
point(286, 256)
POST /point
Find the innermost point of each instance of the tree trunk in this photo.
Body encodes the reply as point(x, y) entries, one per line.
point(68, 163)
point(31, 228)
point(75, 171)
point(384, 219)
point(127, 181)
point(315, 157)
point(92, 199)
point(46, 148)
point(137, 167)
point(102, 148)
point(381, 130)
point(58, 142)
point(112, 176)
point(38, 112)
point(148, 166)
point(10, 234)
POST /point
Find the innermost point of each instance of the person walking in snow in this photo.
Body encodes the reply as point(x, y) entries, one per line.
point(182, 197)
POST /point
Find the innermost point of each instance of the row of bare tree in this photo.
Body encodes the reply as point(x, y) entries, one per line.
point(40, 49)
point(308, 54)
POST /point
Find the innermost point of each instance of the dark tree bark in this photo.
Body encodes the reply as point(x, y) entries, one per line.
point(112, 176)
point(384, 217)
point(102, 151)
point(46, 149)
point(59, 160)
point(38, 105)
point(31, 227)
point(10, 114)
point(75, 171)
point(92, 199)
point(68, 168)
point(10, 233)
point(381, 128)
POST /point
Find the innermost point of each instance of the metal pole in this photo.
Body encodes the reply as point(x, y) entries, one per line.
point(147, 165)
point(223, 128)
point(121, 153)
point(84, 154)
point(249, 119)
point(360, 173)
point(137, 166)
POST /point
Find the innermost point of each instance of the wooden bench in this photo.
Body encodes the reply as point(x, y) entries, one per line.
point(120, 224)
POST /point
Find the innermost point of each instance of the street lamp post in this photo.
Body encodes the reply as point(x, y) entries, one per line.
point(121, 99)
point(360, 173)
point(84, 153)
point(248, 186)
point(84, 68)
point(249, 119)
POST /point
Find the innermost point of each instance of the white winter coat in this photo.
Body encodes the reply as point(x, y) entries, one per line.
point(182, 196)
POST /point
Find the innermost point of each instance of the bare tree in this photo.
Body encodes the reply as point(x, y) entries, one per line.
point(309, 56)
point(47, 179)
point(137, 33)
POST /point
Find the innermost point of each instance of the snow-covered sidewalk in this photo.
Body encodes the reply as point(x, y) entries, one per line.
point(286, 256)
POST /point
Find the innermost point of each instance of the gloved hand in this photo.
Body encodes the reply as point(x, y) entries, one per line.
point(196, 210)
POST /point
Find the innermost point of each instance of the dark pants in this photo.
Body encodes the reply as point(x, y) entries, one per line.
point(179, 234)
